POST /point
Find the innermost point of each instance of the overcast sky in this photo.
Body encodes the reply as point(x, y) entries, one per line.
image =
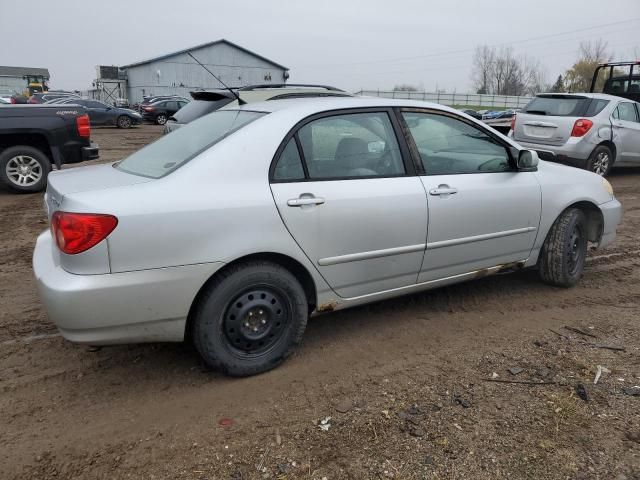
point(351, 44)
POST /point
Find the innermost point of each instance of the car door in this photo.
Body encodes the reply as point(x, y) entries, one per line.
point(625, 122)
point(347, 192)
point(98, 112)
point(482, 211)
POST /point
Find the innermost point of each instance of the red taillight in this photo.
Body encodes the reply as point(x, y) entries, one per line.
point(581, 127)
point(513, 123)
point(148, 109)
point(13, 100)
point(32, 100)
point(84, 126)
point(78, 232)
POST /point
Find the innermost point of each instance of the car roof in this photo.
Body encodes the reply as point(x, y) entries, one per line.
point(601, 96)
point(311, 105)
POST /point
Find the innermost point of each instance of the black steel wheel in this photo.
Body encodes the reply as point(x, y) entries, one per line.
point(564, 252)
point(250, 318)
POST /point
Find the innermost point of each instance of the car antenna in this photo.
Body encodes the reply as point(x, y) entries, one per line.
point(235, 94)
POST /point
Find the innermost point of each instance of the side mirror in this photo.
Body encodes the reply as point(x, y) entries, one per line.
point(527, 160)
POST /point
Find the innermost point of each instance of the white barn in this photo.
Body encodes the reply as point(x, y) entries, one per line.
point(178, 74)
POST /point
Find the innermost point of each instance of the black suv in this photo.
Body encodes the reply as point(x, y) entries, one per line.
point(160, 111)
point(205, 102)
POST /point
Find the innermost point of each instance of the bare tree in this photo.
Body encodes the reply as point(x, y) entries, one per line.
point(501, 72)
point(483, 65)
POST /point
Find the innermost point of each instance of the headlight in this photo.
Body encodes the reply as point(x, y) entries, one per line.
point(607, 186)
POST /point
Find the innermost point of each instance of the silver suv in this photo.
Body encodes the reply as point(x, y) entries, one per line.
point(587, 130)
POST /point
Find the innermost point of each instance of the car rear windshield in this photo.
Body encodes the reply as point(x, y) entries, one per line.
point(199, 108)
point(558, 106)
point(171, 151)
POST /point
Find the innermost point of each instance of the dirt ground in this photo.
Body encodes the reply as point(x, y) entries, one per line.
point(412, 386)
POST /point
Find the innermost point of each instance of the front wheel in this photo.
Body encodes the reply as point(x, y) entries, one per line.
point(161, 119)
point(600, 161)
point(24, 169)
point(564, 252)
point(250, 319)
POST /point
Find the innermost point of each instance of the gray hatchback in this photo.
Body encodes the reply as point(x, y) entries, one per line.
point(587, 130)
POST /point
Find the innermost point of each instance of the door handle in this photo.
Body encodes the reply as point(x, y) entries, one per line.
point(443, 190)
point(299, 202)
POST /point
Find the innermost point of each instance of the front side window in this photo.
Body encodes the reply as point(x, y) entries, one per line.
point(626, 111)
point(450, 146)
point(170, 152)
point(351, 145)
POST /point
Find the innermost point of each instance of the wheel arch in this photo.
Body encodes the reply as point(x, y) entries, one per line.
point(291, 264)
point(611, 146)
point(595, 219)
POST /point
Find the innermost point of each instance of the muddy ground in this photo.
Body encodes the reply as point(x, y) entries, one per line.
point(405, 382)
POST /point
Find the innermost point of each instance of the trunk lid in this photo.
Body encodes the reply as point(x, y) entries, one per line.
point(82, 179)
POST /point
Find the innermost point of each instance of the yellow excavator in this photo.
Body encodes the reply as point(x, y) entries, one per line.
point(35, 84)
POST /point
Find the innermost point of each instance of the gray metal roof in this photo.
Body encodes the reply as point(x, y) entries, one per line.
point(204, 45)
point(23, 71)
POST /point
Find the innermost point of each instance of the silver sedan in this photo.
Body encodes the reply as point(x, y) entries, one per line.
point(232, 230)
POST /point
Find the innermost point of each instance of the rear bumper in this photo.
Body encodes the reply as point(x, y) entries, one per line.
point(90, 153)
point(611, 214)
point(575, 152)
point(108, 309)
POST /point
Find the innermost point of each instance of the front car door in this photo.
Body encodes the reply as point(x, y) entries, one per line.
point(347, 192)
point(625, 121)
point(482, 211)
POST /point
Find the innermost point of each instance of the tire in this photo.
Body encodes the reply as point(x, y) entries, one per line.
point(600, 161)
point(161, 119)
point(124, 122)
point(563, 254)
point(24, 169)
point(250, 319)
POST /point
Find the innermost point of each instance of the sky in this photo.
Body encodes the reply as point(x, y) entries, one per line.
point(352, 44)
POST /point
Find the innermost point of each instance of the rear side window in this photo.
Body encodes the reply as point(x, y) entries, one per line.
point(199, 108)
point(351, 146)
point(626, 111)
point(558, 106)
point(289, 166)
point(170, 152)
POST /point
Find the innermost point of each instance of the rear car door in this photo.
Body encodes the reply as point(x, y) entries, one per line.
point(482, 211)
point(347, 192)
point(626, 132)
point(98, 112)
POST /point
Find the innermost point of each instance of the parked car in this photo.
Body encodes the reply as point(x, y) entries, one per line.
point(283, 208)
point(205, 102)
point(6, 94)
point(50, 95)
point(473, 113)
point(586, 130)
point(33, 138)
point(160, 111)
point(147, 100)
point(103, 114)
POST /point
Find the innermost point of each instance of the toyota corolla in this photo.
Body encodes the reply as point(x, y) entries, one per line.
point(232, 230)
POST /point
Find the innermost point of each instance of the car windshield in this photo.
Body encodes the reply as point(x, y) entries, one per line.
point(174, 150)
point(198, 108)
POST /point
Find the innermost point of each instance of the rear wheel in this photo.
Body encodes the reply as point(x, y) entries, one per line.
point(563, 254)
point(24, 169)
point(161, 119)
point(250, 319)
point(124, 122)
point(600, 161)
